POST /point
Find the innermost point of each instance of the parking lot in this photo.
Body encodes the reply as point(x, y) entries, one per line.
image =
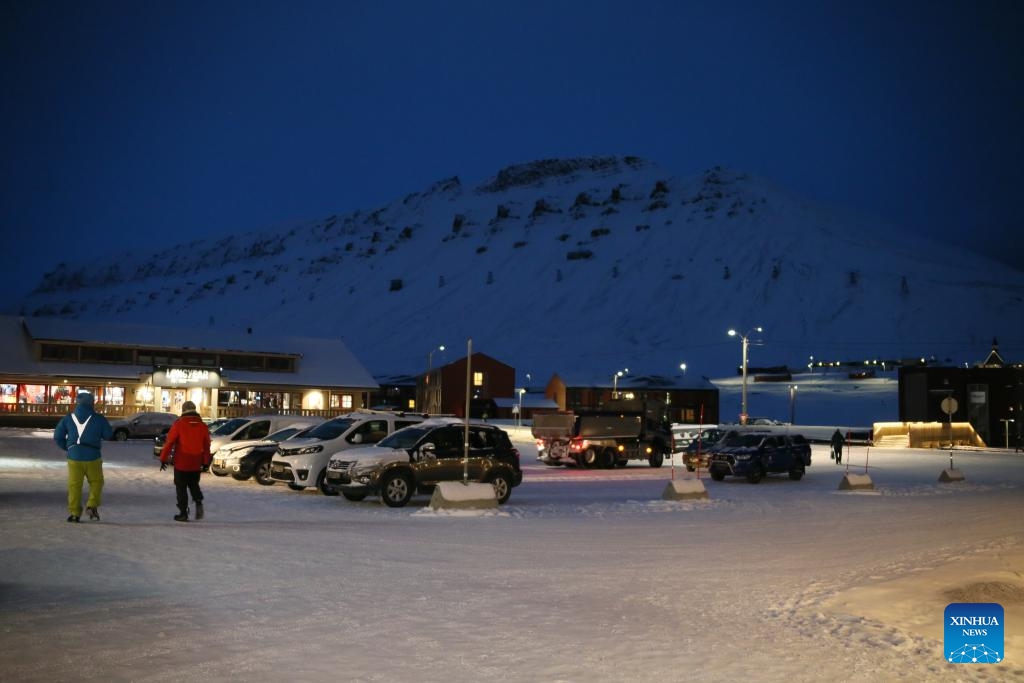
point(584, 574)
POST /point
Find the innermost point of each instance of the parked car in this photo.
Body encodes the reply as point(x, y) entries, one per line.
point(302, 462)
point(246, 459)
point(697, 449)
point(416, 458)
point(161, 438)
point(683, 434)
point(756, 454)
point(141, 425)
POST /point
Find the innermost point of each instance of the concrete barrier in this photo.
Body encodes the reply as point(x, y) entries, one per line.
point(684, 489)
point(856, 482)
point(951, 474)
point(454, 495)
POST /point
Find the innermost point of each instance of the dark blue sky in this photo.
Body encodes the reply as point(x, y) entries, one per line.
point(137, 124)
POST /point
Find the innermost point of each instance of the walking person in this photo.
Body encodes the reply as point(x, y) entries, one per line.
point(80, 434)
point(837, 447)
point(189, 441)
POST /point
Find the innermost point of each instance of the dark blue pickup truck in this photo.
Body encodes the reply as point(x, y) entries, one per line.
point(756, 454)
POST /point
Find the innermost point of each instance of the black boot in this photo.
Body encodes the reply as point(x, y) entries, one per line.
point(181, 516)
point(199, 510)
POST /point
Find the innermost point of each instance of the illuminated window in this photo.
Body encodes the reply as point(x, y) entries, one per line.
point(346, 401)
point(478, 379)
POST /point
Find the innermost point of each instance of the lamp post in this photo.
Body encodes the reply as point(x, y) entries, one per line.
point(615, 381)
point(745, 338)
point(792, 404)
point(682, 366)
point(519, 408)
point(427, 393)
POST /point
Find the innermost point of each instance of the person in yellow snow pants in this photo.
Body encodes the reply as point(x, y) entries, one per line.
point(79, 470)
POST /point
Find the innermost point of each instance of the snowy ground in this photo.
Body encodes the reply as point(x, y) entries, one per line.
point(583, 576)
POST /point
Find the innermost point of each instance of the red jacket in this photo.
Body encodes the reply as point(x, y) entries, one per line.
point(189, 440)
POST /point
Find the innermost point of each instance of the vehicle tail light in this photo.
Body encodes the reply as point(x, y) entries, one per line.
point(577, 445)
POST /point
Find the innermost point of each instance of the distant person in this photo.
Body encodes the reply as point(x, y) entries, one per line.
point(189, 440)
point(80, 434)
point(837, 446)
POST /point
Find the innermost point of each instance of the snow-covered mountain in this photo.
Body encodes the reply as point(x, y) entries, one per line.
point(589, 264)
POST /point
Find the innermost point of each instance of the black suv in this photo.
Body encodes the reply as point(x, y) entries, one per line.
point(417, 457)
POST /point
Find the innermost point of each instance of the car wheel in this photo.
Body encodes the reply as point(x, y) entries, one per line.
point(262, 474)
point(591, 458)
point(608, 458)
point(121, 435)
point(756, 475)
point(717, 475)
point(321, 483)
point(656, 459)
point(354, 496)
point(241, 477)
point(396, 489)
point(219, 474)
point(295, 487)
point(796, 474)
point(502, 488)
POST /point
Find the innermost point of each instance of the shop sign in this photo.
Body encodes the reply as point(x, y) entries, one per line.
point(186, 377)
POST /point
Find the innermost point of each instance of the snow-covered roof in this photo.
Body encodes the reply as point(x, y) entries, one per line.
point(322, 362)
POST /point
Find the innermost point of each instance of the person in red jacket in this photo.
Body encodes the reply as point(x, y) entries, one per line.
point(189, 441)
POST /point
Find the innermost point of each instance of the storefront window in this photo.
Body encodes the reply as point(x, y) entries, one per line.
point(114, 396)
point(61, 393)
point(8, 393)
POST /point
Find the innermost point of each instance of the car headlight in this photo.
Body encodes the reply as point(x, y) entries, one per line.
point(307, 450)
point(364, 469)
point(743, 456)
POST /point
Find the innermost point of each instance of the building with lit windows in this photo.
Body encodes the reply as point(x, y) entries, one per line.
point(133, 368)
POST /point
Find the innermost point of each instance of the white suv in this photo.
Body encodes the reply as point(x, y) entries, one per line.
point(302, 462)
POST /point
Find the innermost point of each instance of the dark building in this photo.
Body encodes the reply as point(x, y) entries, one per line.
point(989, 396)
point(689, 400)
point(443, 389)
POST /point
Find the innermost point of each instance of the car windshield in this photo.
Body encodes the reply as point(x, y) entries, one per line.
point(231, 426)
point(282, 434)
point(404, 438)
point(330, 430)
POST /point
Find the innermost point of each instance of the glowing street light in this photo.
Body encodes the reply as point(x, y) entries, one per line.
point(682, 366)
point(428, 395)
point(792, 404)
point(615, 381)
point(745, 338)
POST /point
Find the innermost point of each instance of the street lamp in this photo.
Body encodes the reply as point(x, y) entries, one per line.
point(682, 366)
point(427, 393)
point(745, 338)
point(615, 381)
point(792, 404)
point(519, 408)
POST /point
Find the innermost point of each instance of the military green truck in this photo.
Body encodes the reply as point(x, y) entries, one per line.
point(607, 437)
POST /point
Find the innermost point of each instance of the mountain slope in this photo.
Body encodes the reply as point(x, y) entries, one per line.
point(574, 264)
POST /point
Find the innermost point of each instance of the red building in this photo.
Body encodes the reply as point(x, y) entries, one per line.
point(443, 389)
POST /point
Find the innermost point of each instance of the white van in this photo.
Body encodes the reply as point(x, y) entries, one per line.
point(251, 428)
point(302, 461)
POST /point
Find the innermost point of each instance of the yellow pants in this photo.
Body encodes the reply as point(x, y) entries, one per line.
point(77, 471)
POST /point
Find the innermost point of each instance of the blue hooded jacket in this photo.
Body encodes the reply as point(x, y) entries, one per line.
point(95, 431)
